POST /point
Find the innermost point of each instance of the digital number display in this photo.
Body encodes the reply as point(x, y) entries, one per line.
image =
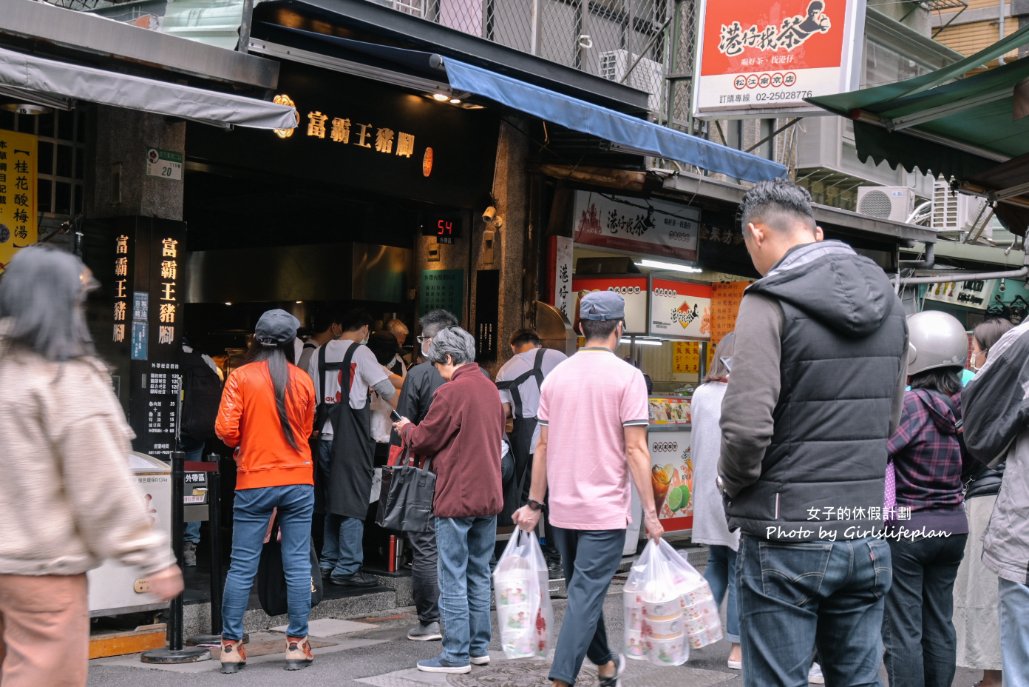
point(444, 227)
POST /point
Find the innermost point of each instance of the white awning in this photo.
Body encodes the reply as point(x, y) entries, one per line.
point(76, 82)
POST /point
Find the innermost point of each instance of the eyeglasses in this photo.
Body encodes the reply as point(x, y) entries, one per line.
point(423, 339)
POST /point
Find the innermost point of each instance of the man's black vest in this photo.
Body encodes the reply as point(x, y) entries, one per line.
point(826, 462)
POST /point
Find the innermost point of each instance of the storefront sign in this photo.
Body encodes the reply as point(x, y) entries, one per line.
point(17, 193)
point(647, 226)
point(680, 309)
point(164, 163)
point(765, 58)
point(367, 135)
point(632, 289)
point(970, 294)
point(442, 290)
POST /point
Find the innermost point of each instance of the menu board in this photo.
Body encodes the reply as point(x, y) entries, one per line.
point(671, 475)
point(680, 309)
point(18, 210)
point(633, 289)
point(725, 305)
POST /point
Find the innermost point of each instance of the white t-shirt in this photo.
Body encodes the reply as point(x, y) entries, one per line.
point(528, 390)
point(365, 371)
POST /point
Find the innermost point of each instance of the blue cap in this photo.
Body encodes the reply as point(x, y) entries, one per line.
point(602, 305)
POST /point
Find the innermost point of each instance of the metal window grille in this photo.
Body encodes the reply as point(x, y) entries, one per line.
point(60, 162)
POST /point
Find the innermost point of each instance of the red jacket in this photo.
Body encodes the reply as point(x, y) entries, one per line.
point(462, 434)
point(248, 418)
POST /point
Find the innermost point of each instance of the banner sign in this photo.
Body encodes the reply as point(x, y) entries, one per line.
point(641, 225)
point(18, 185)
point(680, 309)
point(632, 289)
point(761, 59)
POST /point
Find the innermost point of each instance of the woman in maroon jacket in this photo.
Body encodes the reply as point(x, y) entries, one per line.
point(462, 435)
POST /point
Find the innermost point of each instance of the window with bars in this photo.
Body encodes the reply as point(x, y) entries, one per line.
point(61, 159)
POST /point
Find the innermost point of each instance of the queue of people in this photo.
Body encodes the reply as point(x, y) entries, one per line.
point(862, 509)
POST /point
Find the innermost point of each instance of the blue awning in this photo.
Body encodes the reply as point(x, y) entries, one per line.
point(587, 118)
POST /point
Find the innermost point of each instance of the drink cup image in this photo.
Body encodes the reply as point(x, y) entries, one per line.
point(634, 647)
point(665, 628)
point(670, 651)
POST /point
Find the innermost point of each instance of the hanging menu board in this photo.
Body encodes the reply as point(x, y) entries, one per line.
point(725, 305)
point(632, 288)
point(679, 309)
point(18, 210)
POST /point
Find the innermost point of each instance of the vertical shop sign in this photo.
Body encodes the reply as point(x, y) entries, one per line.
point(680, 309)
point(18, 227)
point(563, 275)
point(487, 315)
point(122, 272)
point(442, 289)
point(763, 59)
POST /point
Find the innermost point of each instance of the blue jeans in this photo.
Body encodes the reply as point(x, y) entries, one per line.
point(1014, 632)
point(251, 511)
point(796, 596)
point(918, 630)
point(465, 546)
point(720, 574)
point(343, 544)
point(590, 559)
point(194, 453)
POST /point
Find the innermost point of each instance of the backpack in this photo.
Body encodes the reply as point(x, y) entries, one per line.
point(202, 396)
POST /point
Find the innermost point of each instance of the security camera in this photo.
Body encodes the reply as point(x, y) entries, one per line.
point(498, 222)
point(488, 214)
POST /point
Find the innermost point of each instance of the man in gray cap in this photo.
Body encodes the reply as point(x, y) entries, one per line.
point(593, 413)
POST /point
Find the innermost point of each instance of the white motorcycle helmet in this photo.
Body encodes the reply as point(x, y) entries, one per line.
point(935, 339)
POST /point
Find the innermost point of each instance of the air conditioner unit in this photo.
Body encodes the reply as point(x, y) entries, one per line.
point(955, 211)
point(647, 75)
point(886, 202)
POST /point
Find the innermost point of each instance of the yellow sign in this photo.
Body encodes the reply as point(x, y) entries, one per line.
point(18, 214)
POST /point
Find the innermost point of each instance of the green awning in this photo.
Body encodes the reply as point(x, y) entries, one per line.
point(943, 123)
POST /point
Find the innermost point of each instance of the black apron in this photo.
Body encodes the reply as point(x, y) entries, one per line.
point(346, 488)
point(515, 489)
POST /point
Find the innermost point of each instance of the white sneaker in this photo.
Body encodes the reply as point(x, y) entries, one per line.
point(814, 676)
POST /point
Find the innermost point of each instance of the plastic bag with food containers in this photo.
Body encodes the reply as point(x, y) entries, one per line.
point(524, 612)
point(668, 607)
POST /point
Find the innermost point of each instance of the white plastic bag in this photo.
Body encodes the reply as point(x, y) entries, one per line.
point(703, 625)
point(524, 612)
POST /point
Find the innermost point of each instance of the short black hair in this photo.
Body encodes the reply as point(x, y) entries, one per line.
point(989, 332)
point(384, 346)
point(945, 380)
point(355, 319)
point(779, 203)
point(524, 336)
point(323, 317)
point(598, 329)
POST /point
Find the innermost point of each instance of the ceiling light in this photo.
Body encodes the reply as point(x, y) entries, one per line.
point(298, 302)
point(642, 342)
point(228, 302)
point(455, 101)
point(670, 266)
point(25, 108)
point(440, 97)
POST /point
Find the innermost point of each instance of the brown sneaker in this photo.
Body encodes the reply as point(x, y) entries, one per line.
point(234, 656)
point(298, 653)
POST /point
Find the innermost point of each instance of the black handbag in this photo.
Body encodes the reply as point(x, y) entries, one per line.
point(271, 578)
point(405, 500)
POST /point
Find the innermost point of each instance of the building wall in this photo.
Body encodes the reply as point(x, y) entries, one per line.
point(979, 26)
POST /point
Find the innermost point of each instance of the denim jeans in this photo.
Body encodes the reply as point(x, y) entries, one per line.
point(720, 574)
point(343, 544)
point(465, 546)
point(424, 575)
point(918, 630)
point(1014, 632)
point(590, 559)
point(796, 596)
point(251, 511)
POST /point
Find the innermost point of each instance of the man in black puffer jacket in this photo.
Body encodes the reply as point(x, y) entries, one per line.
point(816, 388)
